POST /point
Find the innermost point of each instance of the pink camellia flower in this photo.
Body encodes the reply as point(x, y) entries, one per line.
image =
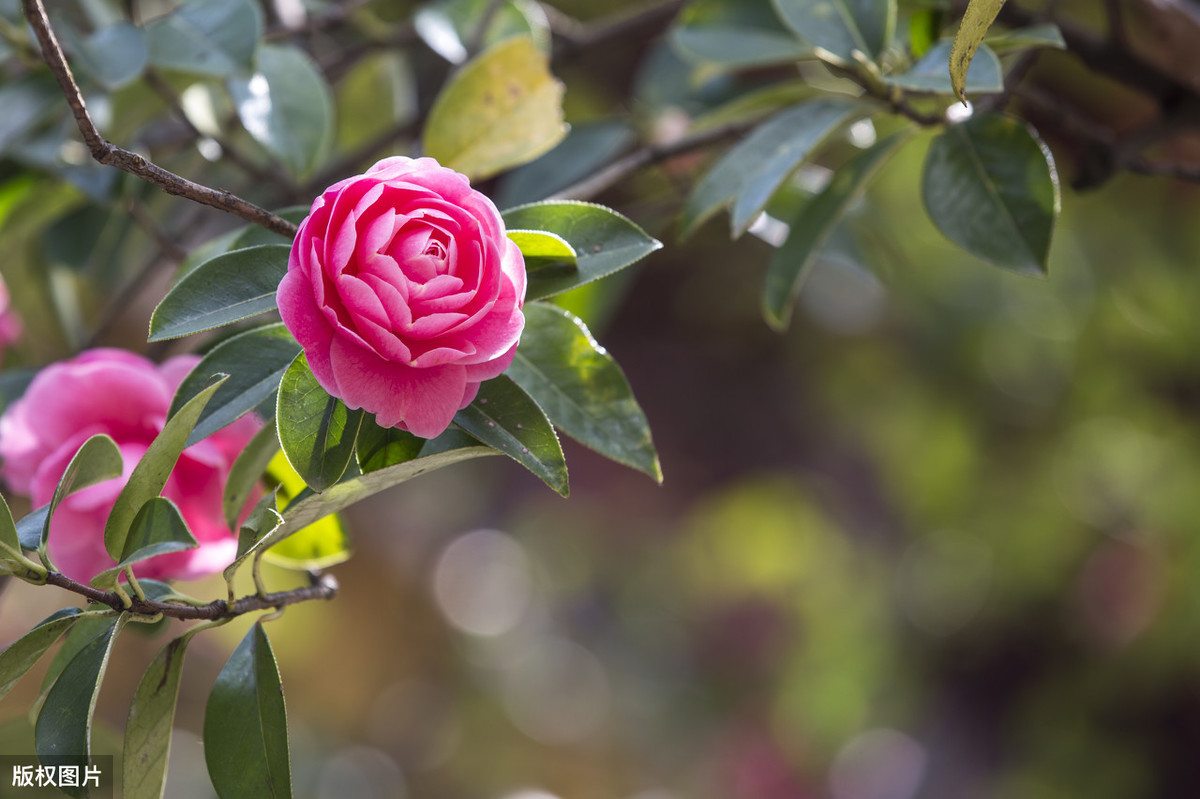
point(127, 397)
point(405, 292)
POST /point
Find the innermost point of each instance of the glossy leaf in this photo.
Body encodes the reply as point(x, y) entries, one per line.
point(30, 527)
point(10, 542)
point(978, 17)
point(505, 418)
point(247, 471)
point(380, 447)
point(737, 47)
point(841, 26)
point(500, 110)
point(929, 74)
point(810, 230)
point(255, 361)
point(64, 725)
point(287, 107)
point(541, 250)
point(449, 27)
point(206, 37)
point(451, 447)
point(581, 388)
point(21, 655)
point(255, 532)
point(151, 721)
point(245, 725)
point(587, 147)
point(316, 431)
point(603, 240)
point(114, 55)
point(157, 529)
point(151, 473)
point(754, 169)
point(232, 286)
point(990, 186)
point(322, 544)
point(97, 460)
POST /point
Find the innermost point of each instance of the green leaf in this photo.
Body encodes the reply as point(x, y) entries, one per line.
point(500, 110)
point(737, 47)
point(157, 529)
point(449, 448)
point(505, 418)
point(923, 27)
point(255, 361)
point(114, 55)
point(206, 37)
point(227, 288)
point(254, 532)
point(541, 250)
point(30, 527)
point(246, 472)
point(978, 17)
point(1045, 35)
point(21, 655)
point(323, 543)
point(97, 460)
point(449, 26)
point(9, 540)
point(587, 147)
point(151, 473)
point(63, 731)
point(150, 723)
point(245, 725)
point(809, 231)
point(603, 240)
point(380, 447)
point(316, 431)
point(990, 186)
point(841, 26)
point(929, 74)
point(287, 107)
point(581, 388)
point(751, 171)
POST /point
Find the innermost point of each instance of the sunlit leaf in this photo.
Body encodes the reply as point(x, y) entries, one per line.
point(752, 170)
point(841, 26)
point(245, 725)
point(205, 37)
point(603, 240)
point(232, 286)
point(990, 186)
point(505, 418)
point(287, 107)
point(542, 249)
point(323, 543)
point(316, 431)
point(500, 110)
point(247, 471)
point(791, 262)
point(581, 388)
point(978, 17)
point(449, 27)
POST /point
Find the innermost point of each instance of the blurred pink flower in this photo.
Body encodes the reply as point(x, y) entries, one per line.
point(405, 292)
point(127, 397)
point(10, 323)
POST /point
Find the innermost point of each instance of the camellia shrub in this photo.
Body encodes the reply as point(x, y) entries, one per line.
point(407, 318)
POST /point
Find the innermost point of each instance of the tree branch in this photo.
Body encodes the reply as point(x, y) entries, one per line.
point(105, 152)
point(323, 587)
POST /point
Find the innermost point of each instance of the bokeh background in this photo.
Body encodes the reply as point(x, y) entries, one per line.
point(936, 540)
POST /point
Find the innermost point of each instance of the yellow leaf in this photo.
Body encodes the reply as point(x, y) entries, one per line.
point(978, 17)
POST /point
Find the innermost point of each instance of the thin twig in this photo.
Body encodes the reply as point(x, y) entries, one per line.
point(323, 587)
point(105, 152)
